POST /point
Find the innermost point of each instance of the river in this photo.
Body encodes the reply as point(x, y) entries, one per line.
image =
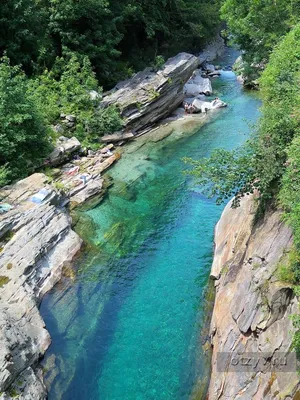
point(128, 324)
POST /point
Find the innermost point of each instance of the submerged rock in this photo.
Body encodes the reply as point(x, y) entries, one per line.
point(150, 96)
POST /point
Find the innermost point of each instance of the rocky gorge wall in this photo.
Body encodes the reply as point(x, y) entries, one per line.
point(251, 327)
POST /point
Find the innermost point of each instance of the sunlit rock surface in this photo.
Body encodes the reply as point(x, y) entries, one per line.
point(36, 241)
point(252, 307)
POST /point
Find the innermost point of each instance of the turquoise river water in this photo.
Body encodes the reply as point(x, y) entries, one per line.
point(128, 324)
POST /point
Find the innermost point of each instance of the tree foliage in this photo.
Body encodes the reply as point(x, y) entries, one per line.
point(115, 35)
point(270, 160)
point(65, 89)
point(22, 127)
point(258, 25)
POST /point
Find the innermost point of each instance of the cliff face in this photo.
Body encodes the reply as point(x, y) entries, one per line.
point(251, 330)
point(36, 242)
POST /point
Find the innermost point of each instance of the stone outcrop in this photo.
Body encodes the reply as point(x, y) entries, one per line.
point(63, 150)
point(36, 242)
point(81, 179)
point(252, 308)
point(150, 96)
point(197, 85)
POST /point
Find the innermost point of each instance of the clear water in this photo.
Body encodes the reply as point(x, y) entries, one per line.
point(128, 325)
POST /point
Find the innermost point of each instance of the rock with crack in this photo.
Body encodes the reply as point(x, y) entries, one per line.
point(251, 316)
point(150, 96)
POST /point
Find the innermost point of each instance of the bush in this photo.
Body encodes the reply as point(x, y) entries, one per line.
point(105, 121)
point(66, 89)
point(261, 163)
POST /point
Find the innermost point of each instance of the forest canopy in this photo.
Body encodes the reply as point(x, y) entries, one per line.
point(117, 36)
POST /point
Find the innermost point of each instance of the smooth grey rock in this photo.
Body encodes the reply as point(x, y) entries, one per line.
point(94, 95)
point(197, 85)
point(117, 137)
point(213, 50)
point(209, 67)
point(70, 118)
point(203, 106)
point(82, 193)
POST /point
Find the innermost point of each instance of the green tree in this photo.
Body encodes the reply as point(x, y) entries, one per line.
point(66, 89)
point(23, 135)
point(87, 27)
point(22, 23)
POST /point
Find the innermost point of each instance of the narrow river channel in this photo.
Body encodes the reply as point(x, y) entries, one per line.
point(128, 325)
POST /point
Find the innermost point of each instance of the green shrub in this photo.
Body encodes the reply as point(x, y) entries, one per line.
point(3, 280)
point(159, 62)
point(65, 89)
point(103, 122)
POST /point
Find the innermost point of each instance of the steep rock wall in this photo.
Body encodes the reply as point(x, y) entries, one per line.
point(36, 242)
point(251, 317)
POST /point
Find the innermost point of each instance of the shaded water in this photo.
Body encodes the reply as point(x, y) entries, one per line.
point(128, 326)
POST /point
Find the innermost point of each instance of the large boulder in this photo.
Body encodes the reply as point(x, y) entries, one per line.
point(198, 85)
point(150, 96)
point(213, 50)
point(63, 150)
point(85, 192)
point(251, 318)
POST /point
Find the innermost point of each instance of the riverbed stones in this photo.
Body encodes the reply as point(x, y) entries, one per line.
point(150, 96)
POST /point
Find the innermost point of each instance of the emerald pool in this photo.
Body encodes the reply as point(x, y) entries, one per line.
point(128, 324)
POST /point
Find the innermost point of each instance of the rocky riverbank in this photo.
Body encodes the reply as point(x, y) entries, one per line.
point(251, 319)
point(36, 243)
